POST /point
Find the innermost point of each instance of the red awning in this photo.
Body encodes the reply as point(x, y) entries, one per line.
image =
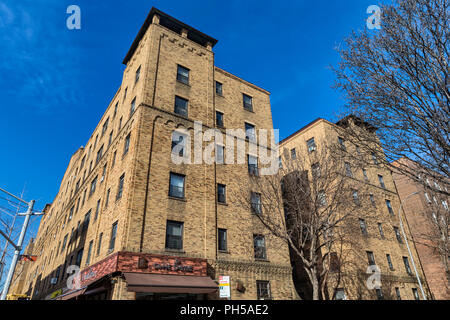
point(159, 283)
point(71, 294)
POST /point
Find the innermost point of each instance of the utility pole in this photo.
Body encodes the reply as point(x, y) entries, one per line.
point(18, 246)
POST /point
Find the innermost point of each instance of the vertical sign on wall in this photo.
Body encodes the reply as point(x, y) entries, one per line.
point(224, 287)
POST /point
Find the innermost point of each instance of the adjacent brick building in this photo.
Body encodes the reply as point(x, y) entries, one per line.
point(136, 223)
point(427, 213)
point(380, 240)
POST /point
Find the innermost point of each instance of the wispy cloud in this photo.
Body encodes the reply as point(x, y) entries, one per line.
point(40, 62)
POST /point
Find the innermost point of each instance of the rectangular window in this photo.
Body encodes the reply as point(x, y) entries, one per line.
point(112, 241)
point(97, 210)
point(374, 158)
point(370, 258)
point(107, 198)
point(174, 235)
point(397, 235)
point(339, 295)
point(88, 258)
point(380, 228)
point(103, 173)
point(110, 138)
point(348, 170)
point(126, 145)
point(178, 143)
point(397, 293)
point(342, 143)
point(252, 165)
point(125, 93)
point(263, 290)
point(389, 261)
point(415, 294)
point(181, 106)
point(363, 226)
point(366, 178)
point(93, 186)
point(138, 75)
point(407, 267)
point(133, 107)
point(219, 88)
point(256, 203)
point(379, 294)
point(311, 144)
point(260, 247)
point(372, 200)
point(248, 102)
point(220, 154)
point(219, 119)
point(183, 75)
point(381, 180)
point(389, 207)
point(99, 154)
point(356, 198)
point(176, 188)
point(222, 234)
point(250, 133)
point(87, 219)
point(293, 154)
point(221, 193)
point(120, 187)
point(105, 126)
point(114, 159)
point(115, 109)
point(64, 244)
point(280, 162)
point(79, 257)
point(322, 198)
point(315, 169)
point(99, 245)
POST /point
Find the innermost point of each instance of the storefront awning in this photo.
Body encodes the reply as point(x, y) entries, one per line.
point(71, 294)
point(159, 283)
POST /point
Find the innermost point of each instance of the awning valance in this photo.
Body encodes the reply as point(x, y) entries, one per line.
point(159, 283)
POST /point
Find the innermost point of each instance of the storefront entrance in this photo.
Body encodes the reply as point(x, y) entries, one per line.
point(168, 296)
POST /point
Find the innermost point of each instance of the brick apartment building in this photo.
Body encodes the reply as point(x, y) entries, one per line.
point(427, 214)
point(380, 241)
point(140, 226)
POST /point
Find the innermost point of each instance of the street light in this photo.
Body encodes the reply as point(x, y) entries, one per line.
point(407, 245)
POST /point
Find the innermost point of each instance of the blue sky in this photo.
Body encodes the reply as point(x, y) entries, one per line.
point(56, 83)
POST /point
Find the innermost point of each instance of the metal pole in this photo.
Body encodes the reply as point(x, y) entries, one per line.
point(17, 251)
point(407, 245)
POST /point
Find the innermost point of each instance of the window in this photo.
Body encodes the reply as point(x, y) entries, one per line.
point(138, 75)
point(356, 198)
point(259, 243)
point(415, 294)
point(133, 106)
point(110, 138)
point(219, 119)
point(174, 235)
point(348, 170)
point(407, 267)
point(397, 293)
point(120, 123)
point(379, 294)
point(389, 206)
point(252, 165)
point(87, 219)
point(181, 106)
point(250, 133)
point(222, 235)
point(103, 173)
point(256, 202)
point(315, 169)
point(389, 261)
point(380, 228)
point(88, 258)
point(374, 158)
point(114, 159)
point(334, 262)
point(176, 188)
point(219, 87)
point(178, 143)
point(64, 244)
point(115, 109)
point(263, 290)
point(107, 198)
point(112, 241)
point(322, 198)
point(183, 75)
point(99, 154)
point(427, 197)
point(280, 163)
point(372, 200)
point(97, 210)
point(363, 226)
point(221, 193)
point(248, 102)
point(125, 94)
point(120, 187)
point(105, 127)
point(381, 180)
point(311, 144)
point(93, 186)
point(397, 235)
point(370, 258)
point(366, 178)
point(293, 154)
point(342, 143)
point(444, 204)
point(220, 154)
point(340, 295)
point(126, 146)
point(79, 257)
point(71, 212)
point(99, 245)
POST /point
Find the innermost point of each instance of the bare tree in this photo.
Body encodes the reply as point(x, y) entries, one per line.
point(312, 204)
point(396, 80)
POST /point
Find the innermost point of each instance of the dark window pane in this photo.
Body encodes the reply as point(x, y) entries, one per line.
point(174, 235)
point(176, 188)
point(183, 75)
point(222, 240)
point(181, 106)
point(248, 102)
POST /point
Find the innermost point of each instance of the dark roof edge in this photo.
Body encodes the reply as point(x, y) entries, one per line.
point(147, 24)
